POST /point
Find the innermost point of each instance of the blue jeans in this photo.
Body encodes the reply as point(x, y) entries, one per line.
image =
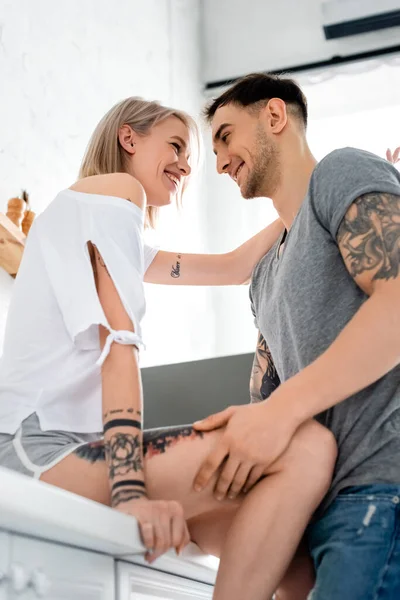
point(355, 545)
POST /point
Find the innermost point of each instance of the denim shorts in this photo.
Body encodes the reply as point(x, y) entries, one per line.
point(355, 545)
point(32, 451)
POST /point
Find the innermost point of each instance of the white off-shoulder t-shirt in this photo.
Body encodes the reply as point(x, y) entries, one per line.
point(51, 362)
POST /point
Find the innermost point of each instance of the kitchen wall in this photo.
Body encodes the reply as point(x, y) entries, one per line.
point(62, 66)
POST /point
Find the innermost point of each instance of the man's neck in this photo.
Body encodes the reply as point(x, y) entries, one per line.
point(295, 179)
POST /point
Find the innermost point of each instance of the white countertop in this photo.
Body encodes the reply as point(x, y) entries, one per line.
point(36, 509)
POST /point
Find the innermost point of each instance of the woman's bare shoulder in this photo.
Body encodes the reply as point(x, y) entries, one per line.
point(121, 185)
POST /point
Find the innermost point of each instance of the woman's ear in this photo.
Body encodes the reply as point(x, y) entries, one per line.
point(126, 137)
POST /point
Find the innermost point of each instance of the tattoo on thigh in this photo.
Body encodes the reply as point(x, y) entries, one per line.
point(92, 452)
point(156, 441)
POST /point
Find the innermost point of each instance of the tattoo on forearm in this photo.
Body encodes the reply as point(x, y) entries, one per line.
point(121, 496)
point(123, 453)
point(176, 270)
point(127, 489)
point(120, 411)
point(128, 483)
point(156, 441)
point(369, 236)
point(121, 423)
point(264, 377)
point(113, 412)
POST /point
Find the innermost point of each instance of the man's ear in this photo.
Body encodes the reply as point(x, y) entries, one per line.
point(275, 114)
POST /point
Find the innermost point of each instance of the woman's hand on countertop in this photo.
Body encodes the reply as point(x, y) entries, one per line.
point(161, 522)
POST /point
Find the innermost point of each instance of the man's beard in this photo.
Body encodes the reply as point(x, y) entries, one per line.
point(264, 178)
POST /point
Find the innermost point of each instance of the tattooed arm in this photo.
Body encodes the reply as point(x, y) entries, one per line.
point(264, 378)
point(162, 524)
point(232, 268)
point(369, 346)
point(122, 396)
point(369, 241)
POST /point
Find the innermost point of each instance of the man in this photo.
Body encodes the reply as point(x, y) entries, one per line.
point(326, 300)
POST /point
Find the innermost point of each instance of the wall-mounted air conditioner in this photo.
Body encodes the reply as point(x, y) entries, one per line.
point(351, 17)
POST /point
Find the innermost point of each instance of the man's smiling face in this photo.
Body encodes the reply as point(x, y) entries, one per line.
point(244, 151)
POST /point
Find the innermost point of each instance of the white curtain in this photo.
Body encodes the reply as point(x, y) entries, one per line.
point(354, 105)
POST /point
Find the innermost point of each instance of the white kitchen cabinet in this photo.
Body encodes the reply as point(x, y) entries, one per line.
point(4, 564)
point(46, 570)
point(141, 583)
point(60, 546)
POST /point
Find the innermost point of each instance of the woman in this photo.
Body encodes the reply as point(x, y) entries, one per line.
point(70, 391)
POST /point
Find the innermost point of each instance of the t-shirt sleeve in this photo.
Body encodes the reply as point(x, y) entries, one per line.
point(115, 228)
point(253, 310)
point(345, 175)
point(149, 254)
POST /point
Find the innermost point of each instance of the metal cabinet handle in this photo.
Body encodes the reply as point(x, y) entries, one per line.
point(40, 583)
point(19, 577)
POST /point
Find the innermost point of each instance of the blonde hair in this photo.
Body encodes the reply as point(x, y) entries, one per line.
point(104, 154)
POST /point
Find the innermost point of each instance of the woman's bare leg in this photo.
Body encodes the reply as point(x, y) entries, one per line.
point(209, 530)
point(265, 530)
point(172, 457)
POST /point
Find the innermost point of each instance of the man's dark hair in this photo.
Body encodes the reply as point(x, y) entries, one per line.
point(257, 89)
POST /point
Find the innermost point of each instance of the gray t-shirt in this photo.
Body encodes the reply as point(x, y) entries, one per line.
point(304, 298)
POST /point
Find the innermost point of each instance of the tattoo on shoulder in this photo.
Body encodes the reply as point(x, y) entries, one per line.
point(176, 270)
point(369, 236)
